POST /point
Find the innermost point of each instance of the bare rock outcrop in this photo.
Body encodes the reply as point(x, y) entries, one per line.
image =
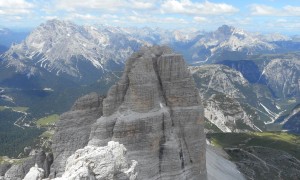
point(108, 162)
point(283, 76)
point(35, 173)
point(228, 114)
point(18, 171)
point(156, 112)
point(4, 167)
point(73, 130)
point(91, 162)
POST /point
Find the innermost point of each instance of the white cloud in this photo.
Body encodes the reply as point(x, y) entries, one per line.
point(84, 16)
point(171, 20)
point(292, 10)
point(155, 20)
point(284, 24)
point(141, 5)
point(49, 17)
point(15, 4)
point(73, 5)
point(263, 10)
point(200, 19)
point(91, 18)
point(15, 7)
point(138, 19)
point(194, 8)
point(105, 5)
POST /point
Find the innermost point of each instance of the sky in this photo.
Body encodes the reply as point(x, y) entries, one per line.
point(282, 16)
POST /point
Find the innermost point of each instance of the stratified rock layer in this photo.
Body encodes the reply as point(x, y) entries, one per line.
point(156, 112)
point(73, 130)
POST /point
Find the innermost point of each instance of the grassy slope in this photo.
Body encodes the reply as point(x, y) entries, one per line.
point(48, 120)
point(289, 143)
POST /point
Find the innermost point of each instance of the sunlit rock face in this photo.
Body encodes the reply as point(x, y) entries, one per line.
point(156, 112)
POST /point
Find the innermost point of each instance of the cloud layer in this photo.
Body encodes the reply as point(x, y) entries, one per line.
point(194, 8)
point(263, 10)
point(257, 14)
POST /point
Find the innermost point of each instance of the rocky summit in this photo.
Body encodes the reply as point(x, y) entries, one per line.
point(155, 111)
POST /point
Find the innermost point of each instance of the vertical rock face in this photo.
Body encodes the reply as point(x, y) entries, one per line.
point(156, 112)
point(73, 130)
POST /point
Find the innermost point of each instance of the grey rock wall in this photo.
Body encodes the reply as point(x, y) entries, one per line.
point(73, 130)
point(156, 112)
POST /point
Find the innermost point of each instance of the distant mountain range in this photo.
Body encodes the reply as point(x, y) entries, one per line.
point(60, 61)
point(61, 47)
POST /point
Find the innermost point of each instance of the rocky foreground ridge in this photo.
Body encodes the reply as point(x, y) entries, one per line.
point(154, 111)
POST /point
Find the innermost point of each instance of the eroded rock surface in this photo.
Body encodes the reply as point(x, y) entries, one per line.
point(156, 112)
point(18, 171)
point(108, 162)
point(4, 167)
point(73, 130)
point(283, 77)
point(35, 173)
point(228, 114)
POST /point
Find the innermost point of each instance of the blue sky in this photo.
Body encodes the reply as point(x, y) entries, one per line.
point(256, 15)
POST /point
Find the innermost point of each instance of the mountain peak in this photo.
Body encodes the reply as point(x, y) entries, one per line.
point(59, 46)
point(57, 22)
point(226, 29)
point(156, 112)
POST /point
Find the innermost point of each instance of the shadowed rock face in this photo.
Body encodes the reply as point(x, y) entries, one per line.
point(73, 130)
point(156, 112)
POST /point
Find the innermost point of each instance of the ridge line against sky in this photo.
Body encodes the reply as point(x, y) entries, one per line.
point(257, 15)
